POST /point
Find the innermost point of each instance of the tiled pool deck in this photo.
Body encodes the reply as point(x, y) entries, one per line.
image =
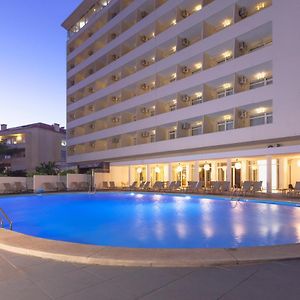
point(31, 278)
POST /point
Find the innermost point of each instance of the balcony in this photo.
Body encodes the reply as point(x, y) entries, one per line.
point(201, 62)
point(236, 118)
point(203, 30)
point(246, 80)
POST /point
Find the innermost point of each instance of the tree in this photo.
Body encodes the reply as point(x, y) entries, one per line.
point(48, 168)
point(3, 149)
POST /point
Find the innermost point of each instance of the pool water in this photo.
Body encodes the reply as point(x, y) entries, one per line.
point(147, 220)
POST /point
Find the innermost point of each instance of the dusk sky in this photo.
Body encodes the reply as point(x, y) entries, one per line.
point(32, 61)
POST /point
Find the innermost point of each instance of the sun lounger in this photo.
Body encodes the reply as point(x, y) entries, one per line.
point(73, 186)
point(146, 185)
point(60, 186)
point(49, 187)
point(131, 187)
point(296, 190)
point(192, 185)
point(105, 185)
point(174, 186)
point(177, 186)
point(225, 186)
point(8, 188)
point(245, 189)
point(157, 186)
point(256, 186)
point(200, 187)
point(20, 187)
point(141, 185)
point(171, 186)
point(83, 186)
point(215, 187)
point(112, 185)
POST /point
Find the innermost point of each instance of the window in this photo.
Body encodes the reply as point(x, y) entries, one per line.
point(63, 155)
point(172, 107)
point(225, 125)
point(152, 138)
point(172, 134)
point(197, 100)
point(266, 118)
point(196, 130)
point(224, 93)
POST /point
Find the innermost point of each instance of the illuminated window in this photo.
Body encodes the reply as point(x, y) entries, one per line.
point(225, 125)
point(197, 129)
point(265, 118)
point(172, 134)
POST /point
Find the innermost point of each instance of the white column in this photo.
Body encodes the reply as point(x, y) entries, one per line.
point(129, 175)
point(188, 172)
point(169, 172)
point(148, 173)
point(244, 170)
point(283, 173)
point(269, 174)
point(214, 171)
point(196, 171)
point(228, 171)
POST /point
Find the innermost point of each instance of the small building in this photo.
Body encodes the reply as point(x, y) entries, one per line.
point(30, 145)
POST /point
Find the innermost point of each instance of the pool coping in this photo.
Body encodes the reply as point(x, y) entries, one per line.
point(19, 243)
point(141, 257)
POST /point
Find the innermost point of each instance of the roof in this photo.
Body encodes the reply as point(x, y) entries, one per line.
point(78, 12)
point(34, 125)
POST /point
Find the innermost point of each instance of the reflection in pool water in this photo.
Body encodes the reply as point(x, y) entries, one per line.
point(153, 220)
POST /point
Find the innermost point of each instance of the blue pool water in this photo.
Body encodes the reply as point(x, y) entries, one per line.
point(153, 221)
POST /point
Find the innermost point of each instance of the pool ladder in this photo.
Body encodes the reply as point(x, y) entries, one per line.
point(6, 217)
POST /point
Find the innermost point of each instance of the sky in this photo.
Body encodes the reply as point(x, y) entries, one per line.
point(33, 61)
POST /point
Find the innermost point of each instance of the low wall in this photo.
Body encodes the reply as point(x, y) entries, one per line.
point(12, 180)
point(38, 181)
point(77, 178)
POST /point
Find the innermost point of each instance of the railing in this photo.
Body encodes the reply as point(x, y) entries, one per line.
point(7, 219)
point(261, 82)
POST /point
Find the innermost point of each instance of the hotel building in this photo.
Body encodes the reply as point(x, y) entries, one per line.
point(185, 89)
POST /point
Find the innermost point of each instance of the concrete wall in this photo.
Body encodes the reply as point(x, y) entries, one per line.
point(11, 180)
point(39, 180)
point(77, 178)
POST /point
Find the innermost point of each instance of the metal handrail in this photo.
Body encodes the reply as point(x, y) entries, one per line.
point(7, 219)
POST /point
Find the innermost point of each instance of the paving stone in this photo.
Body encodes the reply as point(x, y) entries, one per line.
point(21, 289)
point(205, 283)
point(66, 283)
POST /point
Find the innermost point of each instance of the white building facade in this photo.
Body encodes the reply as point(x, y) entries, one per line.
point(186, 90)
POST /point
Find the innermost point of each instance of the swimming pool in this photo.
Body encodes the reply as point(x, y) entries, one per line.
point(148, 220)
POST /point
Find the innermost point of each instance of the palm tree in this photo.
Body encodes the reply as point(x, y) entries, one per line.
point(48, 168)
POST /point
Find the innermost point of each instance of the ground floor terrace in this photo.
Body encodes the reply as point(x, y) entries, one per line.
point(276, 167)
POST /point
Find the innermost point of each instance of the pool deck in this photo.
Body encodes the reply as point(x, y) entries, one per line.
point(138, 257)
point(31, 278)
